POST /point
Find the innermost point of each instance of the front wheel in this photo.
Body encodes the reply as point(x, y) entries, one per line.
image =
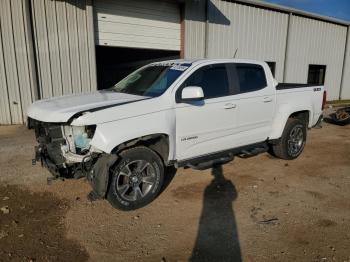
point(136, 179)
point(292, 141)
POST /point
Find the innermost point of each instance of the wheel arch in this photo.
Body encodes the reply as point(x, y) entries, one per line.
point(282, 117)
point(100, 177)
point(159, 142)
point(303, 115)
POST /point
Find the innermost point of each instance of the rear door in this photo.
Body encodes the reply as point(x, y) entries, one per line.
point(207, 126)
point(255, 100)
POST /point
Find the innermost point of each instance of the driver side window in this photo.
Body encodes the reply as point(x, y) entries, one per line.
point(212, 79)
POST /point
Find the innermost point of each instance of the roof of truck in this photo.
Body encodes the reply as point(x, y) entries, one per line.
point(215, 60)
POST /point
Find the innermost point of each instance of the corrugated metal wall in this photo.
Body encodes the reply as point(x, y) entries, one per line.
point(195, 29)
point(65, 53)
point(17, 69)
point(345, 92)
point(316, 42)
point(254, 32)
point(65, 48)
point(261, 34)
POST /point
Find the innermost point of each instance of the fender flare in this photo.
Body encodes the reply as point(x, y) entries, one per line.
point(280, 120)
point(99, 175)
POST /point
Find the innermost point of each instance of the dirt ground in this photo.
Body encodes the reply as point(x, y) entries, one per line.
point(256, 209)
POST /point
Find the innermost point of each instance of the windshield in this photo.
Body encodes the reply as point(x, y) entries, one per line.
point(151, 81)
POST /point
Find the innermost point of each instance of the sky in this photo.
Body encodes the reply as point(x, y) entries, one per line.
point(335, 8)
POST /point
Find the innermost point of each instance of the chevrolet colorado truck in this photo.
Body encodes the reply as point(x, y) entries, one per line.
point(174, 113)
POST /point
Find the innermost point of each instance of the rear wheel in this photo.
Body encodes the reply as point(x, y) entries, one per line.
point(292, 141)
point(136, 179)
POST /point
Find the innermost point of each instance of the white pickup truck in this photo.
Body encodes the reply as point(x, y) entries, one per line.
point(173, 113)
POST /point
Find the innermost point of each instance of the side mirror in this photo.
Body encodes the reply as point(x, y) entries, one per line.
point(192, 93)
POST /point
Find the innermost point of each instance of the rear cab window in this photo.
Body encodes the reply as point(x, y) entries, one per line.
point(249, 77)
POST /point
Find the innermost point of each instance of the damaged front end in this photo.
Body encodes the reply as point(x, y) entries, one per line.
point(64, 149)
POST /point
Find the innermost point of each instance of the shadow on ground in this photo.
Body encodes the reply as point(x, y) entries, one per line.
point(217, 238)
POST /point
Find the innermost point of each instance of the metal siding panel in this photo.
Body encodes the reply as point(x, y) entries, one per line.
point(73, 45)
point(316, 42)
point(43, 55)
point(143, 24)
point(83, 48)
point(195, 29)
point(62, 33)
point(5, 115)
point(239, 25)
point(345, 94)
point(91, 45)
point(65, 48)
point(54, 48)
point(36, 53)
point(33, 82)
point(23, 76)
point(256, 33)
point(10, 62)
point(17, 68)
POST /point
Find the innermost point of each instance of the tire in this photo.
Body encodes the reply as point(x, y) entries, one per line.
point(136, 179)
point(293, 140)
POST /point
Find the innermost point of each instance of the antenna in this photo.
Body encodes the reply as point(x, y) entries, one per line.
point(234, 56)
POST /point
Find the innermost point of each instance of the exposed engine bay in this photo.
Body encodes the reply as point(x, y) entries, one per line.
point(63, 148)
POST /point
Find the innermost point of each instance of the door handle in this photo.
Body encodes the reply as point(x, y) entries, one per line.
point(267, 99)
point(230, 106)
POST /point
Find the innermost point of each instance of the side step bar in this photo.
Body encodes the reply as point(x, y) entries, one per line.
point(207, 161)
point(211, 163)
point(253, 152)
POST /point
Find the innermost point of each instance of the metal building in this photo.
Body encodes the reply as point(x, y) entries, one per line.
point(58, 47)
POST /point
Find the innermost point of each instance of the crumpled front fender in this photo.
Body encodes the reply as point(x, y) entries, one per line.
point(99, 175)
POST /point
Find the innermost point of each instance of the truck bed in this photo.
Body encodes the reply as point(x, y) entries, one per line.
point(304, 96)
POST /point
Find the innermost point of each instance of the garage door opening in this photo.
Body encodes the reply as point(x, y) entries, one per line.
point(114, 63)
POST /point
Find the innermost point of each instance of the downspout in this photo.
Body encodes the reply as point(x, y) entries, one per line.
point(344, 63)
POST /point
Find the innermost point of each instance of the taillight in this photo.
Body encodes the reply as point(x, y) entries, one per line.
point(324, 100)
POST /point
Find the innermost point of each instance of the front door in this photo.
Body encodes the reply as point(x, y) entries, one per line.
point(207, 126)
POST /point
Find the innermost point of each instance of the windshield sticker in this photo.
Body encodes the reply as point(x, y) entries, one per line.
point(163, 64)
point(179, 67)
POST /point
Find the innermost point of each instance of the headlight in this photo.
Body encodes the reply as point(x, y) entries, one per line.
point(82, 136)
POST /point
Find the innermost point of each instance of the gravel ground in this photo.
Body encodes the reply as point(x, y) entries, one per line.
point(256, 209)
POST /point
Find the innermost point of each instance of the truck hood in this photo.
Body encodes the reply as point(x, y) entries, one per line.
point(61, 109)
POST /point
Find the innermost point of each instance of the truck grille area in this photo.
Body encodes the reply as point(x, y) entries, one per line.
point(50, 139)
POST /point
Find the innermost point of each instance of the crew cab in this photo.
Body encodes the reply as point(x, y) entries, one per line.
point(174, 113)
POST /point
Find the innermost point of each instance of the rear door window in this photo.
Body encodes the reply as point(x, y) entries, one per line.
point(250, 77)
point(213, 79)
